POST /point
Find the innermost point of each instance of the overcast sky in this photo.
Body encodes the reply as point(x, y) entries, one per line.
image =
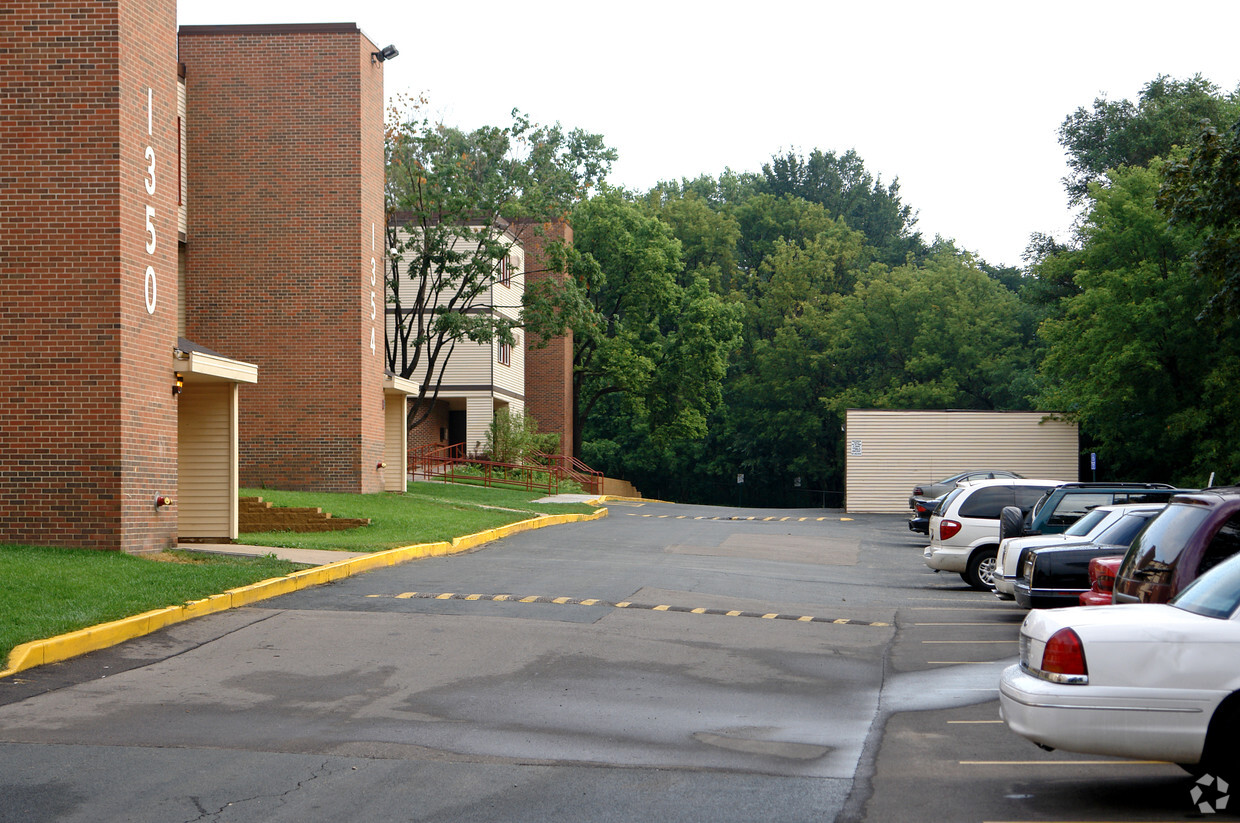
point(961, 101)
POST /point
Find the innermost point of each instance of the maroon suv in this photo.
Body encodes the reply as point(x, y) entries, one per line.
point(1193, 534)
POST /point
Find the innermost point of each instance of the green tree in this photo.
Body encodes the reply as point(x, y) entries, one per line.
point(1203, 191)
point(457, 202)
point(514, 438)
point(1113, 134)
point(647, 333)
point(942, 335)
point(1129, 358)
point(707, 236)
point(842, 185)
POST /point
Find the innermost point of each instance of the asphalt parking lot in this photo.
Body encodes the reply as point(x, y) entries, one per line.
point(666, 662)
point(962, 763)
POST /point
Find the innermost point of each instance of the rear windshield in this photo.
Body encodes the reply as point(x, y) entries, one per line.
point(1086, 524)
point(986, 502)
point(951, 495)
point(1214, 594)
point(1157, 547)
point(1037, 507)
point(1122, 531)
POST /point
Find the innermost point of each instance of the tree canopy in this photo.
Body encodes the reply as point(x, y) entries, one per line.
point(1125, 133)
point(457, 202)
point(723, 325)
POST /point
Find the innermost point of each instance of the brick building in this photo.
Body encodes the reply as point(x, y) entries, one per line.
point(284, 259)
point(478, 379)
point(88, 256)
point(549, 368)
point(223, 232)
point(481, 379)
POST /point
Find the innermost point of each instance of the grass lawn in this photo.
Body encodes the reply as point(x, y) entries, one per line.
point(50, 591)
point(427, 513)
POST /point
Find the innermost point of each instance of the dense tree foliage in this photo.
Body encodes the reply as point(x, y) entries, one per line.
point(643, 327)
point(1127, 133)
point(1203, 191)
point(1129, 358)
point(456, 202)
point(723, 326)
point(842, 185)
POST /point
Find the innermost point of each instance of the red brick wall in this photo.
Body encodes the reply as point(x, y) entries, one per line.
point(88, 439)
point(427, 433)
point(284, 138)
point(548, 371)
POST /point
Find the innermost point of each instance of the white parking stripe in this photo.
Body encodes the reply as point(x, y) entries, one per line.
point(999, 625)
point(1064, 763)
point(972, 642)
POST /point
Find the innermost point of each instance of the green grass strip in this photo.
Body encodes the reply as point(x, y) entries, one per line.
point(50, 591)
point(427, 513)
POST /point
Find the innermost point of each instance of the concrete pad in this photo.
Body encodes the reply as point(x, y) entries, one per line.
point(310, 557)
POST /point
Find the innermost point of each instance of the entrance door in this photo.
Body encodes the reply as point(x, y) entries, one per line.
point(456, 432)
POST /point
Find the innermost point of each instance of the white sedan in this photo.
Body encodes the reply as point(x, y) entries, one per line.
point(1145, 681)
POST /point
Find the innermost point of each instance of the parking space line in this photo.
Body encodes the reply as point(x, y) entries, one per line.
point(951, 609)
point(970, 642)
point(1064, 763)
point(972, 722)
point(969, 624)
point(754, 518)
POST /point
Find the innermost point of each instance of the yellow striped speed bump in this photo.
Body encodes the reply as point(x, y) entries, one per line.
point(627, 604)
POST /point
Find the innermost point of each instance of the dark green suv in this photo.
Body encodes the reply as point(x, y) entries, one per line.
point(1063, 505)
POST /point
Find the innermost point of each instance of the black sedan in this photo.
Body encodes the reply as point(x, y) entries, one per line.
point(922, 509)
point(1055, 576)
point(938, 488)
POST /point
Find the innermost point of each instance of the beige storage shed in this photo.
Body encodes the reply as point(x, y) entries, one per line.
point(887, 452)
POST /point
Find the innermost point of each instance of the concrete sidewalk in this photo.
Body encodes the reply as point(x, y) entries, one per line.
point(310, 557)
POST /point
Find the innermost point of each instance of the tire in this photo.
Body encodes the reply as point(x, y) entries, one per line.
point(980, 573)
point(1011, 522)
point(1221, 757)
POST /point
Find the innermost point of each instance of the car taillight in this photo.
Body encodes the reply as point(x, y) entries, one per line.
point(1063, 659)
point(917, 492)
point(948, 529)
point(1102, 573)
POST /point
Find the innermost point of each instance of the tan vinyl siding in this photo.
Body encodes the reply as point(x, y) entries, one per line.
point(479, 411)
point(395, 442)
point(207, 461)
point(469, 365)
point(511, 378)
point(887, 452)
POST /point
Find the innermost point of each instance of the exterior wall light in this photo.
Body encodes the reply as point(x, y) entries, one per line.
point(162, 500)
point(385, 53)
point(178, 383)
point(381, 465)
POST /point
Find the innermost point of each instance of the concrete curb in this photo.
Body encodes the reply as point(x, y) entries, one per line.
point(64, 646)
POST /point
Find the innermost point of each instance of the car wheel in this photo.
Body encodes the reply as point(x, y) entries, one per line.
point(1220, 757)
point(980, 573)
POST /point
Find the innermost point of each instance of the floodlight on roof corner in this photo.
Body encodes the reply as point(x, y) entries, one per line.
point(385, 53)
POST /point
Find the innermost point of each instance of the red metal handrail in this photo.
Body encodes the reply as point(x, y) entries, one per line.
point(450, 464)
point(587, 477)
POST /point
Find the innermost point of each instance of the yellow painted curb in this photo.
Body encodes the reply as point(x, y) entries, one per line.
point(93, 638)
